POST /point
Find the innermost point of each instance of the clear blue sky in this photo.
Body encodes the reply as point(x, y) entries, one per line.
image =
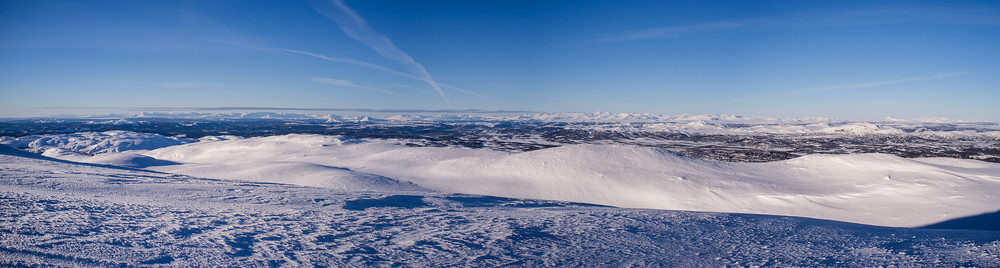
point(841, 59)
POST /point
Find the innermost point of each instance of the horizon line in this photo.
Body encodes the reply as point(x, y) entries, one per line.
point(227, 108)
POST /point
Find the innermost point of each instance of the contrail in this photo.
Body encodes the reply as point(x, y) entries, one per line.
point(355, 27)
point(345, 83)
point(675, 31)
point(821, 18)
point(378, 68)
point(462, 90)
point(880, 83)
point(854, 86)
point(355, 62)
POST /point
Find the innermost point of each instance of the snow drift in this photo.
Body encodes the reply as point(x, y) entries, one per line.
point(63, 214)
point(868, 188)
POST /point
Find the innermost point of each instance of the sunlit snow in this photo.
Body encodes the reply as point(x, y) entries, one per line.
point(66, 214)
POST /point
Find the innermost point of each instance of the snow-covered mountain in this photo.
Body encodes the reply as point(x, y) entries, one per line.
point(57, 213)
point(713, 137)
point(626, 123)
point(93, 142)
point(596, 117)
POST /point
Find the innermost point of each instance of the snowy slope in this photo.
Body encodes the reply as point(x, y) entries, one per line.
point(72, 215)
point(281, 168)
point(132, 159)
point(868, 188)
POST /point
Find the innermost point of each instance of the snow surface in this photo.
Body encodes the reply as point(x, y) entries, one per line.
point(93, 142)
point(56, 213)
point(864, 188)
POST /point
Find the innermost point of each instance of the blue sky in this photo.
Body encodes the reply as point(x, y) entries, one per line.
point(841, 59)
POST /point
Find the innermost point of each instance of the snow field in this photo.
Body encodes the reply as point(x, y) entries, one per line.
point(58, 213)
point(867, 188)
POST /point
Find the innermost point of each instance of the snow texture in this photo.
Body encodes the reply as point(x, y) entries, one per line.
point(55, 213)
point(874, 189)
point(862, 188)
point(94, 142)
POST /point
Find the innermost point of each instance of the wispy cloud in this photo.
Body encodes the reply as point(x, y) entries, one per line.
point(462, 90)
point(674, 31)
point(855, 86)
point(354, 62)
point(177, 85)
point(378, 68)
point(355, 26)
point(345, 83)
point(821, 18)
point(166, 85)
point(880, 83)
point(399, 85)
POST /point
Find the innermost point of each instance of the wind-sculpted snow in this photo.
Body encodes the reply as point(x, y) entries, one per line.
point(305, 174)
point(864, 188)
point(94, 142)
point(130, 159)
point(61, 214)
